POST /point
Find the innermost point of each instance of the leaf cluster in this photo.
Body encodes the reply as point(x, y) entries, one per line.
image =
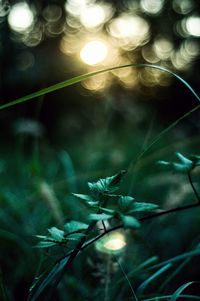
point(102, 192)
point(124, 208)
point(184, 164)
point(72, 231)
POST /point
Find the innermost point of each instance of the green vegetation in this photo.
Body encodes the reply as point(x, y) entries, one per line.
point(52, 226)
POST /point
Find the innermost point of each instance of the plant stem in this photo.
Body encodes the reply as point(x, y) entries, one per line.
point(127, 279)
point(193, 187)
point(83, 244)
point(142, 219)
point(107, 279)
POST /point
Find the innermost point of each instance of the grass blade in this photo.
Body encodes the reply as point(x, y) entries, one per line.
point(169, 296)
point(177, 258)
point(178, 292)
point(80, 78)
point(143, 286)
point(173, 275)
point(127, 279)
point(45, 284)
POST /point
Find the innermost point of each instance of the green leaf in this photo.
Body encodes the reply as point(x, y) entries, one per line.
point(125, 203)
point(165, 163)
point(75, 236)
point(45, 244)
point(185, 161)
point(185, 164)
point(130, 222)
point(141, 207)
point(107, 185)
point(74, 226)
point(89, 200)
point(107, 210)
point(41, 236)
point(56, 233)
point(99, 217)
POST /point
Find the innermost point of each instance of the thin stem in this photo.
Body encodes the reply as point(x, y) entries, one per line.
point(126, 277)
point(176, 209)
point(193, 187)
point(107, 279)
point(104, 226)
point(82, 244)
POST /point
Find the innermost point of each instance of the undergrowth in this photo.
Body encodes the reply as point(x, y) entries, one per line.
point(105, 211)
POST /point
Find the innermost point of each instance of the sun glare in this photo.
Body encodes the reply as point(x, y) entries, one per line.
point(20, 17)
point(94, 52)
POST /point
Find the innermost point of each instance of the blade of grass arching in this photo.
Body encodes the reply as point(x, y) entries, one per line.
point(127, 279)
point(166, 297)
point(144, 285)
point(80, 78)
point(172, 275)
point(177, 258)
point(178, 292)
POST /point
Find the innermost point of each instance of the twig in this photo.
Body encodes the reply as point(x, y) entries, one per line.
point(142, 219)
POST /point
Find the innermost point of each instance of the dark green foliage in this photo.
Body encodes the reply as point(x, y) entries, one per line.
point(185, 165)
point(123, 208)
point(72, 231)
point(97, 215)
point(107, 185)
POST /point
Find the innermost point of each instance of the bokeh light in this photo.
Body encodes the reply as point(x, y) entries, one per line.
point(52, 13)
point(94, 52)
point(152, 7)
point(162, 48)
point(75, 7)
point(92, 16)
point(21, 17)
point(192, 26)
point(130, 30)
point(183, 7)
point(112, 243)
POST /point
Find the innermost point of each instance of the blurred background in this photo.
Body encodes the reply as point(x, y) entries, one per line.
point(51, 146)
